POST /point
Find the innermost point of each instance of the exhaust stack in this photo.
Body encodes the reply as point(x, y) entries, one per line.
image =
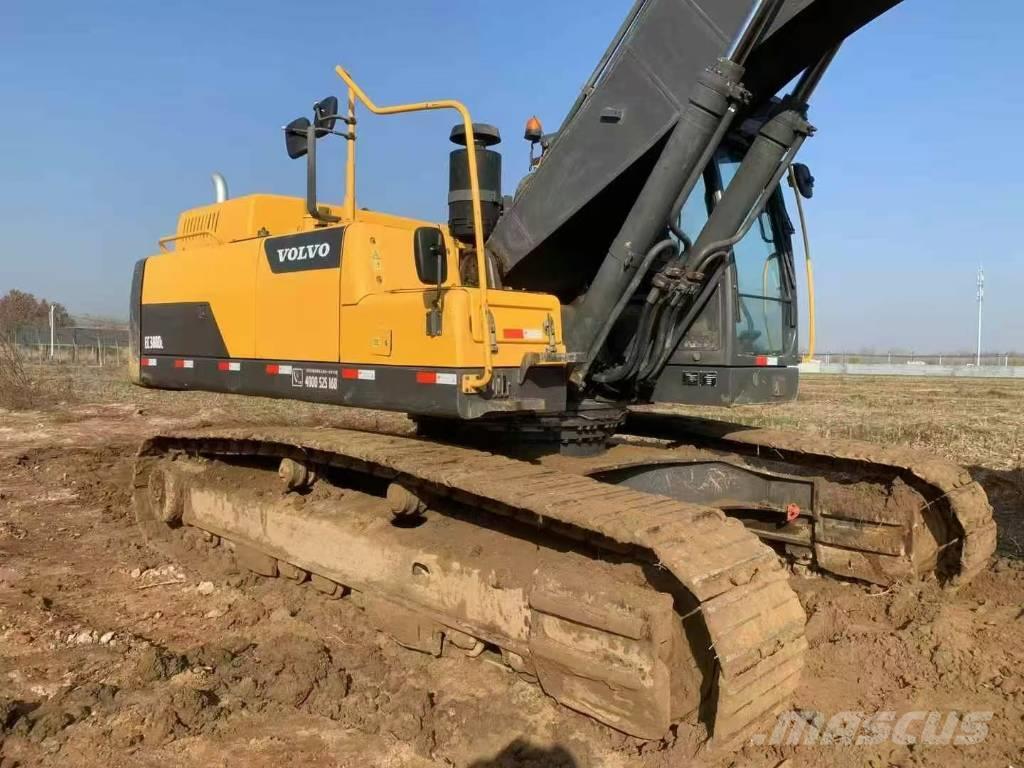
point(220, 187)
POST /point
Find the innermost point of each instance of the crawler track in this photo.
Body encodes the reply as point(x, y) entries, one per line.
point(880, 514)
point(589, 650)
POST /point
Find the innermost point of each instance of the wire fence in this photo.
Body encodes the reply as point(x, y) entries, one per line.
point(85, 346)
point(965, 360)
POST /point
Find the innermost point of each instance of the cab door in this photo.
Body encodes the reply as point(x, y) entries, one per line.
point(298, 282)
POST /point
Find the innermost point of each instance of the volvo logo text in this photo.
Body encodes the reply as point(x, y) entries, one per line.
point(304, 252)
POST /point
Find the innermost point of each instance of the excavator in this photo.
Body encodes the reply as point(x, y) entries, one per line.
point(552, 509)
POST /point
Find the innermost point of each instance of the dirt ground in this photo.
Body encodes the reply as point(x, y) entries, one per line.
point(111, 655)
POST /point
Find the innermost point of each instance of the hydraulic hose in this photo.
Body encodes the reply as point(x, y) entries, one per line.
point(619, 371)
point(661, 339)
point(778, 142)
point(679, 328)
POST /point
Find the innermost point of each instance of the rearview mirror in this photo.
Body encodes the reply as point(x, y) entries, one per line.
point(431, 255)
point(326, 115)
point(295, 140)
point(804, 180)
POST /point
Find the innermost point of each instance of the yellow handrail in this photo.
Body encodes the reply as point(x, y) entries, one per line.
point(163, 241)
point(470, 382)
point(350, 163)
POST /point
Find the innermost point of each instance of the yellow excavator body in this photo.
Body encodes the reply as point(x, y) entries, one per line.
point(255, 283)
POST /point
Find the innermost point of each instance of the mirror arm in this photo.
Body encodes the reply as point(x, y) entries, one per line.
point(324, 131)
point(434, 316)
point(441, 253)
point(343, 118)
point(311, 206)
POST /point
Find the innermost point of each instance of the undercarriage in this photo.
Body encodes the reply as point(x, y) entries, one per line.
point(641, 612)
point(630, 585)
point(844, 507)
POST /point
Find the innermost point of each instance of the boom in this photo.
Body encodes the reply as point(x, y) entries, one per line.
point(677, 80)
point(635, 96)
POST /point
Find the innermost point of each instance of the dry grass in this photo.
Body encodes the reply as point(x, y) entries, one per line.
point(24, 386)
point(18, 390)
point(974, 422)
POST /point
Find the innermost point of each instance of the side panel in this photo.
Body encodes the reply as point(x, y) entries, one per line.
point(384, 305)
point(710, 384)
point(298, 280)
point(390, 328)
point(379, 259)
point(523, 322)
point(384, 309)
point(181, 328)
point(190, 299)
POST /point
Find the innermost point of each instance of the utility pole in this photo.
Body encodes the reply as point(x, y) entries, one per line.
point(51, 331)
point(981, 301)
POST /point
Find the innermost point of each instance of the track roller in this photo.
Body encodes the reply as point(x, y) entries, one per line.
point(404, 502)
point(296, 475)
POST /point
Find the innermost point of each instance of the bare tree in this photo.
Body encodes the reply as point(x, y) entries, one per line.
point(19, 309)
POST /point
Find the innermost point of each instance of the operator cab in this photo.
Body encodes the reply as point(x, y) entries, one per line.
point(761, 275)
point(742, 346)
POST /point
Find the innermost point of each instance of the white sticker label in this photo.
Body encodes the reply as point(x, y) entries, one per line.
point(316, 378)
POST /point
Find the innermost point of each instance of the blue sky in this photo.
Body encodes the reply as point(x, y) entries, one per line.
point(116, 112)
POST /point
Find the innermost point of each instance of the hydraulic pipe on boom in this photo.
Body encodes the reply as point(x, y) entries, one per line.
point(666, 317)
point(760, 170)
point(702, 119)
point(756, 179)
